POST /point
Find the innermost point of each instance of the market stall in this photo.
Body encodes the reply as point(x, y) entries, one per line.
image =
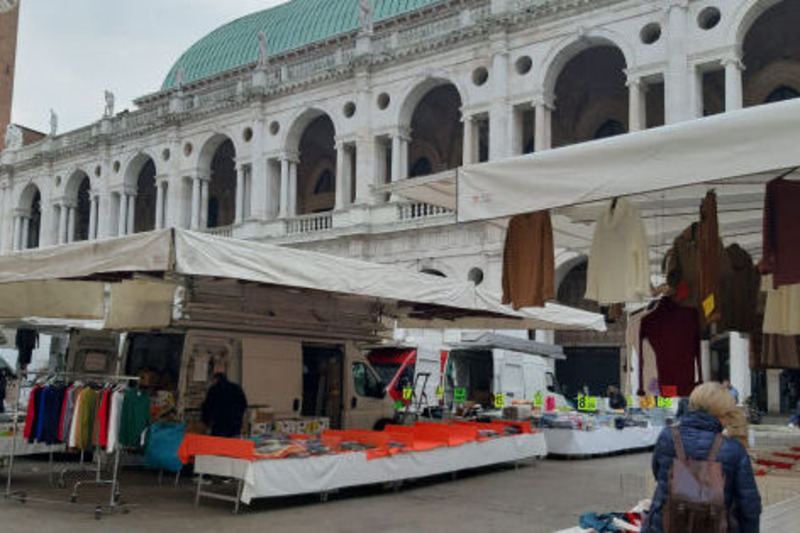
point(347, 459)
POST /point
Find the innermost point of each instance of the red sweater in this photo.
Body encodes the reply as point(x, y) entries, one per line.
point(781, 255)
point(674, 334)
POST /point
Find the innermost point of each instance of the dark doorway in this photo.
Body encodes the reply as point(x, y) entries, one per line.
point(322, 383)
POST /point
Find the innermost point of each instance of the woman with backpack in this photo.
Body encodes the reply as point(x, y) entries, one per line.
point(704, 481)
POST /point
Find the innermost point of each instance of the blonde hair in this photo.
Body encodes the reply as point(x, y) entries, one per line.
point(714, 399)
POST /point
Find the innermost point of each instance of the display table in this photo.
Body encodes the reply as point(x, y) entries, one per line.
point(603, 440)
point(323, 474)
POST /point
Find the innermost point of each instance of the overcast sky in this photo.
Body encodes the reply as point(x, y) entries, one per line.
point(70, 51)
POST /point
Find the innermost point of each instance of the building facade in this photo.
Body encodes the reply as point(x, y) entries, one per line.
point(290, 135)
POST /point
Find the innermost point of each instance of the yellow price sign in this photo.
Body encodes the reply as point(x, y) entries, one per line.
point(440, 392)
point(664, 402)
point(709, 304)
point(630, 401)
point(499, 401)
point(587, 403)
point(538, 399)
point(407, 393)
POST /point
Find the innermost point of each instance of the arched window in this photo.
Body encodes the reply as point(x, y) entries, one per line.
point(784, 92)
point(84, 210)
point(609, 128)
point(421, 167)
point(326, 183)
point(36, 221)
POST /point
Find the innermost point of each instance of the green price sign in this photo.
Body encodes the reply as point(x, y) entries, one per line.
point(587, 403)
point(407, 393)
point(460, 394)
point(440, 392)
point(399, 405)
point(630, 401)
point(664, 402)
point(499, 401)
point(538, 399)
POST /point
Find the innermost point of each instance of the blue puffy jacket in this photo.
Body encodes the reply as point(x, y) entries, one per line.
point(698, 430)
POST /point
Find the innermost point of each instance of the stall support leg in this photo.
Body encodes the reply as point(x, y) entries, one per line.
point(238, 502)
point(199, 489)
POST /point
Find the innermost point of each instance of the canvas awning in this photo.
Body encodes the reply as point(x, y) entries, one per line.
point(147, 265)
point(488, 340)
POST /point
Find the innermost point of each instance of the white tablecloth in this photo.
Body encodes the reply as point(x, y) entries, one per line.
point(601, 441)
point(24, 448)
point(285, 477)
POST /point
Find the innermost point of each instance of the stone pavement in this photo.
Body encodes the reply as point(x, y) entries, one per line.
point(538, 497)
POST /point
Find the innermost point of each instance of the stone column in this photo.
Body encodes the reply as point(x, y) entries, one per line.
point(705, 359)
point(637, 109)
point(470, 147)
point(16, 237)
point(122, 220)
point(284, 206)
point(542, 137)
point(26, 231)
point(131, 214)
point(204, 203)
point(63, 221)
point(500, 145)
point(70, 223)
point(733, 83)
point(160, 204)
point(93, 200)
point(293, 187)
point(196, 192)
point(678, 104)
point(740, 363)
point(774, 390)
point(240, 179)
point(366, 169)
point(343, 177)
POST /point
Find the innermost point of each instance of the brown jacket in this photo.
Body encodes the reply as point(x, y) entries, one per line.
point(529, 261)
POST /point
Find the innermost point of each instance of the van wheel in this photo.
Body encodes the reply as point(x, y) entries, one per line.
point(381, 424)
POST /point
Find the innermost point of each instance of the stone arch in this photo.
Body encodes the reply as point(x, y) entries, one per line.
point(570, 47)
point(770, 49)
point(419, 89)
point(74, 183)
point(29, 206)
point(77, 192)
point(311, 138)
point(743, 19)
point(217, 162)
point(140, 176)
point(589, 86)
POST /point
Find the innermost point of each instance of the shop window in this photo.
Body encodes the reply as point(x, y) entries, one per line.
point(366, 383)
point(784, 92)
point(326, 183)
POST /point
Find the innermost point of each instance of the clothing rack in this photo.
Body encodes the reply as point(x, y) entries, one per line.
point(31, 378)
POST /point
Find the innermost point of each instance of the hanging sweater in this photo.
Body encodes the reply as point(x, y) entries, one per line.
point(619, 267)
point(135, 417)
point(781, 254)
point(529, 261)
point(674, 333)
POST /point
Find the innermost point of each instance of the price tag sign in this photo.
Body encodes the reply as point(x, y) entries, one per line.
point(440, 392)
point(538, 399)
point(499, 401)
point(587, 403)
point(399, 405)
point(460, 395)
point(709, 305)
point(664, 402)
point(407, 393)
point(630, 401)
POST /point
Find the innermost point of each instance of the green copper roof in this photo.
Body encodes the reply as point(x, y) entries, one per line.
point(291, 25)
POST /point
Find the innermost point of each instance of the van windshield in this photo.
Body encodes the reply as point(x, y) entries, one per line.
point(386, 371)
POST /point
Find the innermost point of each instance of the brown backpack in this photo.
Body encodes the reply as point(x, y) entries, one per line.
point(696, 492)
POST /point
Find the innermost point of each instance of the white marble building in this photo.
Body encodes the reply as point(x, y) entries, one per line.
point(286, 139)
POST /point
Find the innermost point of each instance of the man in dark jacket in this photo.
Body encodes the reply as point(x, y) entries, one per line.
point(698, 430)
point(224, 407)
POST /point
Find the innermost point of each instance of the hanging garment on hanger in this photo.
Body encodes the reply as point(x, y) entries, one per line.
point(782, 311)
point(619, 261)
point(114, 417)
point(740, 286)
point(781, 253)
point(710, 251)
point(674, 333)
point(135, 417)
point(30, 416)
point(529, 261)
point(648, 360)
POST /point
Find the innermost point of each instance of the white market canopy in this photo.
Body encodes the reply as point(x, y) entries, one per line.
point(68, 282)
point(665, 171)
